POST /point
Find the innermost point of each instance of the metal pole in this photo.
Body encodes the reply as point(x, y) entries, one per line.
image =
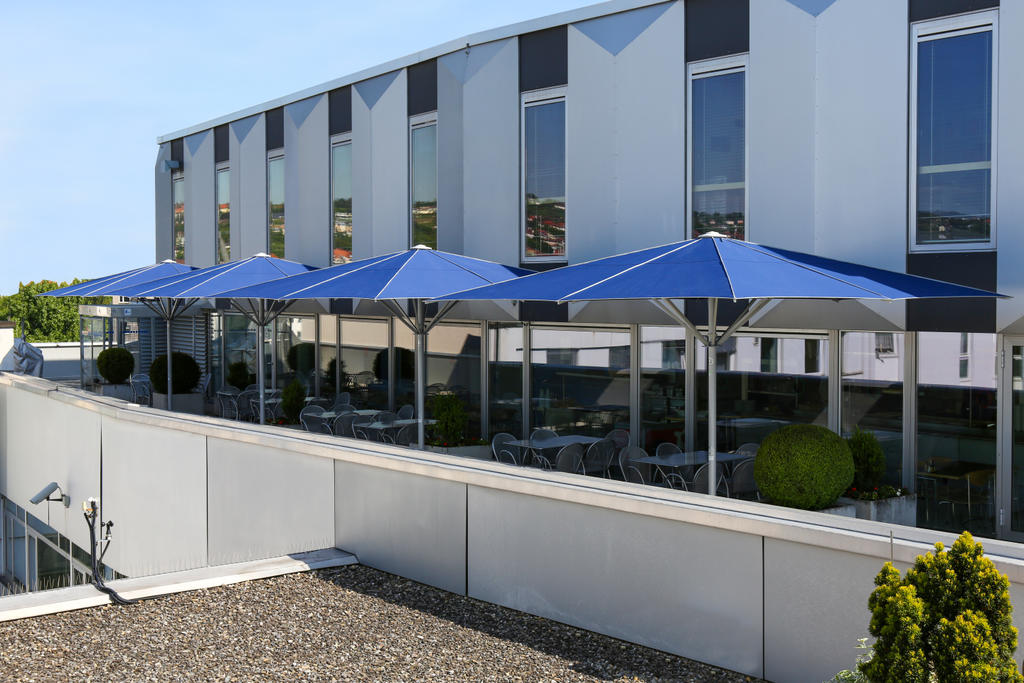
point(421, 343)
point(261, 332)
point(712, 349)
point(170, 386)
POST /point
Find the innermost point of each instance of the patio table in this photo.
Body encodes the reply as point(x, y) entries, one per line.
point(534, 445)
point(686, 459)
point(330, 414)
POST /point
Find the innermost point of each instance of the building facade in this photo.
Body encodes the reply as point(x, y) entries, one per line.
point(875, 131)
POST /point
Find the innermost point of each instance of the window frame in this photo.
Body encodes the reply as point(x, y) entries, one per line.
point(533, 98)
point(274, 155)
point(336, 140)
point(937, 29)
point(708, 68)
point(217, 168)
point(420, 121)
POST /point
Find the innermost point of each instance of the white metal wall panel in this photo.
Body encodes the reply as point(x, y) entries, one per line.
point(162, 204)
point(626, 122)
point(307, 188)
point(1009, 206)
point(248, 152)
point(200, 203)
point(380, 166)
point(490, 150)
point(780, 126)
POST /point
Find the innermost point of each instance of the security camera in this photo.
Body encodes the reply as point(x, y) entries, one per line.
point(44, 494)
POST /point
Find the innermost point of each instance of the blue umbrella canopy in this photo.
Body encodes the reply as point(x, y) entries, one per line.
point(211, 281)
point(721, 268)
point(417, 273)
point(102, 286)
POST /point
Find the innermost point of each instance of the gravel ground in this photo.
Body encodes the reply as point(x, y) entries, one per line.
point(351, 623)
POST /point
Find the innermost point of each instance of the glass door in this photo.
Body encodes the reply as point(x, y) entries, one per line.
point(1012, 421)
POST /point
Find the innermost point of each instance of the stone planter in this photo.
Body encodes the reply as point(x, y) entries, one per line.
point(183, 403)
point(842, 508)
point(121, 391)
point(476, 452)
point(897, 510)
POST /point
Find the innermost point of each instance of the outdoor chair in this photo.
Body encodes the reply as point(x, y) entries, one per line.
point(228, 404)
point(142, 390)
point(322, 402)
point(406, 412)
point(626, 456)
point(245, 401)
point(537, 439)
point(311, 420)
point(700, 482)
point(634, 475)
point(358, 427)
point(620, 437)
point(344, 398)
point(253, 387)
point(741, 483)
point(570, 459)
point(503, 452)
point(540, 462)
point(403, 437)
point(342, 425)
point(749, 449)
point(676, 481)
point(667, 448)
point(343, 409)
point(599, 457)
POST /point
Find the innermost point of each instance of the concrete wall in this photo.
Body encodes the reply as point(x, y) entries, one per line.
point(247, 147)
point(1009, 206)
point(162, 203)
point(200, 202)
point(307, 190)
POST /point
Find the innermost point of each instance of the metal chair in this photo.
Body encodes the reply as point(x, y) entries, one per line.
point(142, 390)
point(342, 425)
point(620, 437)
point(700, 482)
point(322, 402)
point(749, 449)
point(676, 481)
point(406, 412)
point(311, 420)
point(245, 402)
point(599, 457)
point(502, 451)
point(344, 398)
point(403, 437)
point(626, 456)
point(570, 459)
point(667, 448)
point(540, 462)
point(741, 483)
point(227, 404)
point(634, 475)
point(358, 427)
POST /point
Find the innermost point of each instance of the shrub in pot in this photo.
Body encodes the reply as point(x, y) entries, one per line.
point(185, 372)
point(293, 400)
point(239, 375)
point(115, 365)
point(803, 466)
point(451, 417)
point(868, 460)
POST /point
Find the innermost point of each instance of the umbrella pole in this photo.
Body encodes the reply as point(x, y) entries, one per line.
point(420, 371)
point(170, 386)
point(261, 332)
point(712, 349)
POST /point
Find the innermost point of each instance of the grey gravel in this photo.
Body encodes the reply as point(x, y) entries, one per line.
point(351, 623)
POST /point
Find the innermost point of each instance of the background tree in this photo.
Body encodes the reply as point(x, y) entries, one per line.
point(46, 319)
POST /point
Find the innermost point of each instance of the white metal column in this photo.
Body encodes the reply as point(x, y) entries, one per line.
point(635, 399)
point(910, 411)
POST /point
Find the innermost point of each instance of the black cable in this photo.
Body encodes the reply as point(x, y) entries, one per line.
point(90, 519)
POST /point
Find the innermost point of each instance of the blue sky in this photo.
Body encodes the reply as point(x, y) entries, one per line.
point(87, 87)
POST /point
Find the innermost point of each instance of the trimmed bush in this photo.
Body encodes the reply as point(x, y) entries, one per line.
point(868, 460)
point(115, 365)
point(239, 375)
point(184, 368)
point(948, 619)
point(293, 400)
point(301, 357)
point(451, 417)
point(803, 466)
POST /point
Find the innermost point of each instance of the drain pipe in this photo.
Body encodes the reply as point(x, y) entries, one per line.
point(90, 510)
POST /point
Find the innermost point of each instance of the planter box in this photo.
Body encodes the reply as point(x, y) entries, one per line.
point(121, 391)
point(898, 510)
point(477, 452)
point(842, 508)
point(183, 403)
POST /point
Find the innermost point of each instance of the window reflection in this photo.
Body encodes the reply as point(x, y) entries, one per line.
point(178, 220)
point(328, 355)
point(275, 210)
point(544, 209)
point(954, 138)
point(505, 363)
point(341, 203)
point(453, 367)
point(223, 190)
point(579, 380)
point(296, 350)
point(718, 137)
point(364, 353)
point(662, 386)
point(424, 186)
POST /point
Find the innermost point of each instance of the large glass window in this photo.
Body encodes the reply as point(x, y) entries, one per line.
point(275, 206)
point(1016, 427)
point(328, 355)
point(954, 130)
point(423, 146)
point(178, 217)
point(872, 393)
point(579, 380)
point(453, 366)
point(296, 350)
point(718, 148)
point(341, 203)
point(662, 386)
point(240, 351)
point(223, 215)
point(763, 384)
point(956, 433)
point(505, 365)
point(364, 361)
point(544, 175)
point(405, 366)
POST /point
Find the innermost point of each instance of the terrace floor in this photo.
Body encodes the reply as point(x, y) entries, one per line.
point(349, 623)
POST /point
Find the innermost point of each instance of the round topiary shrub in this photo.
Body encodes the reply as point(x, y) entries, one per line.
point(868, 460)
point(115, 365)
point(184, 368)
point(803, 466)
point(301, 357)
point(239, 375)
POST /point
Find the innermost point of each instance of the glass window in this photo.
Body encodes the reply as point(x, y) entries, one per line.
point(239, 348)
point(275, 208)
point(662, 386)
point(956, 434)
point(223, 215)
point(872, 393)
point(364, 353)
point(505, 365)
point(405, 366)
point(579, 380)
point(761, 390)
point(424, 185)
point(453, 366)
point(341, 203)
point(296, 350)
point(954, 95)
point(544, 179)
point(328, 355)
point(718, 150)
point(178, 220)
